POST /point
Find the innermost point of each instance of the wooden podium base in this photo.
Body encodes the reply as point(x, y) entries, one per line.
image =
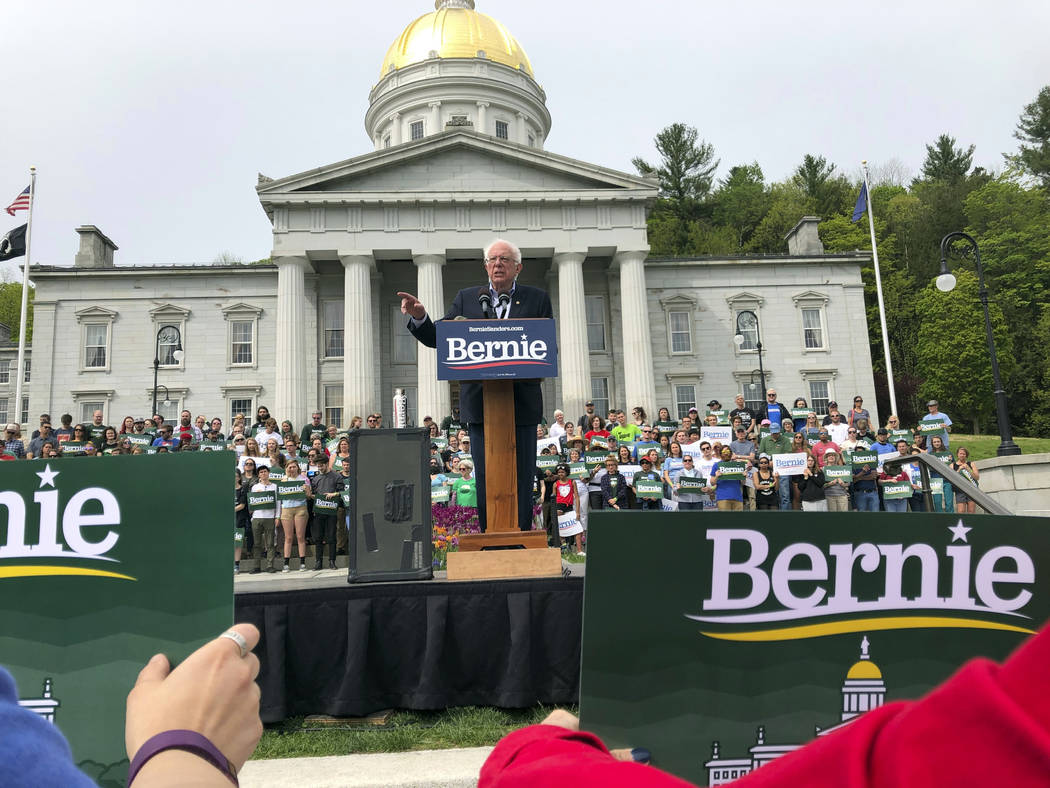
point(503, 564)
point(469, 543)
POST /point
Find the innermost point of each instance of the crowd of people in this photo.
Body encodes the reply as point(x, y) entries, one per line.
point(291, 484)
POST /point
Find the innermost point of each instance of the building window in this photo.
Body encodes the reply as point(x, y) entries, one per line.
point(680, 331)
point(25, 377)
point(532, 141)
point(404, 344)
point(754, 397)
point(600, 397)
point(88, 408)
point(241, 344)
point(333, 405)
point(3, 409)
point(812, 328)
point(819, 396)
point(244, 407)
point(333, 329)
point(169, 408)
point(502, 130)
point(747, 327)
point(168, 342)
point(96, 341)
point(684, 398)
point(416, 128)
point(595, 306)
point(5, 372)
point(386, 141)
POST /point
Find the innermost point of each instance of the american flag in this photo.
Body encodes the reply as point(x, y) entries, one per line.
point(21, 202)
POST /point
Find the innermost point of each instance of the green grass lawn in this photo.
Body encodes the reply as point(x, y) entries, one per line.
point(982, 446)
point(470, 726)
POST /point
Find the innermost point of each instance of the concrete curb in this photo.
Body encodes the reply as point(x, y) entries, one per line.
point(455, 768)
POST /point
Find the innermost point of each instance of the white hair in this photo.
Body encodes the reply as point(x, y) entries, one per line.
point(515, 251)
point(558, 413)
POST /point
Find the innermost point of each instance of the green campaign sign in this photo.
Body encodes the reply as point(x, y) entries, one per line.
point(212, 446)
point(800, 413)
point(344, 496)
point(265, 499)
point(944, 456)
point(720, 416)
point(898, 435)
point(860, 458)
point(648, 488)
point(736, 469)
point(441, 443)
point(547, 462)
point(931, 427)
point(757, 633)
point(137, 440)
point(439, 494)
point(100, 568)
point(290, 490)
point(600, 441)
point(74, 447)
point(594, 459)
point(892, 491)
point(666, 427)
point(691, 484)
point(326, 505)
point(843, 472)
point(578, 470)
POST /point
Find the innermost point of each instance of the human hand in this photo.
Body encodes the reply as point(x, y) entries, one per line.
point(410, 305)
point(569, 721)
point(212, 692)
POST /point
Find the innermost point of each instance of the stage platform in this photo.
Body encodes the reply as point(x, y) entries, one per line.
point(329, 647)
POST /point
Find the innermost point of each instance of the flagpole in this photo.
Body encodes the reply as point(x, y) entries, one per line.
point(878, 291)
point(20, 372)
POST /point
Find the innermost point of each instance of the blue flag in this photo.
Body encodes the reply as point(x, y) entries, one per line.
point(862, 203)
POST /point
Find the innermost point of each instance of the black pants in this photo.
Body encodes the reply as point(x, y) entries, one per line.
point(525, 437)
point(324, 533)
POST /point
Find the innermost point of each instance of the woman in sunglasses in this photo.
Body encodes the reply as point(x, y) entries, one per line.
point(767, 481)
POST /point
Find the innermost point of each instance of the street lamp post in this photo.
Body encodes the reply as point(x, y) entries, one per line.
point(747, 321)
point(946, 282)
point(170, 336)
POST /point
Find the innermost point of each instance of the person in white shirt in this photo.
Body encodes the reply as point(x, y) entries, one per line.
point(837, 428)
point(557, 429)
point(264, 520)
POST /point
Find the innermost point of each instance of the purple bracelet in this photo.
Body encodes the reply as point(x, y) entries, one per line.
point(190, 741)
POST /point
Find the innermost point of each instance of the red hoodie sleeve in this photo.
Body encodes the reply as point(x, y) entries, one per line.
point(985, 726)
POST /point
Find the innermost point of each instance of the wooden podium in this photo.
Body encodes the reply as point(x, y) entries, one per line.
point(503, 551)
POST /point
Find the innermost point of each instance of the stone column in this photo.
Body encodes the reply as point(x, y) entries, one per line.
point(434, 397)
point(435, 117)
point(360, 351)
point(395, 129)
point(573, 354)
point(640, 387)
point(523, 135)
point(290, 345)
point(482, 128)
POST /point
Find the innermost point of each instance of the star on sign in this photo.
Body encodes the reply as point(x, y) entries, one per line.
point(47, 476)
point(959, 532)
point(524, 336)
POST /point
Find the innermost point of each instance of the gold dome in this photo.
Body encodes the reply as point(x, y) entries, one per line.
point(455, 29)
point(864, 669)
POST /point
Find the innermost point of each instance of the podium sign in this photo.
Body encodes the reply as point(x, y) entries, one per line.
point(490, 349)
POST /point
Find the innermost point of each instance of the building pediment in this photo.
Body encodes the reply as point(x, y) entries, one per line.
point(454, 163)
point(95, 314)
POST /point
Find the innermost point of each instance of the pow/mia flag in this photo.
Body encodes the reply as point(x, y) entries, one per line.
point(13, 244)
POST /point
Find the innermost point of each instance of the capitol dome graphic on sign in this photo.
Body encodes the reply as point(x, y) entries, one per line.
point(862, 690)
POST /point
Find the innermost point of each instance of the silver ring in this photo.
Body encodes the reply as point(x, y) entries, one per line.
point(237, 638)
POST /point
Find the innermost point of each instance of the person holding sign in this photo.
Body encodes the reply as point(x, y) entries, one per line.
point(567, 505)
point(945, 501)
point(326, 486)
point(502, 264)
point(465, 487)
point(896, 490)
point(648, 487)
point(292, 493)
point(262, 503)
point(811, 486)
point(963, 503)
point(934, 414)
point(727, 477)
point(837, 477)
point(614, 485)
point(689, 486)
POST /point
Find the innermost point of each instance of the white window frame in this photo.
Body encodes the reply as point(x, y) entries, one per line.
point(693, 379)
point(337, 305)
point(676, 305)
point(175, 394)
point(5, 371)
point(24, 415)
point(412, 130)
point(678, 402)
point(399, 324)
point(4, 409)
point(26, 369)
point(242, 313)
point(813, 399)
point(595, 398)
point(331, 393)
point(99, 398)
point(506, 128)
point(812, 300)
point(96, 316)
point(250, 393)
point(825, 375)
point(175, 316)
point(600, 299)
point(745, 302)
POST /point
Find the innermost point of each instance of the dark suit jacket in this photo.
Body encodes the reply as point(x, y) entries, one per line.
point(528, 399)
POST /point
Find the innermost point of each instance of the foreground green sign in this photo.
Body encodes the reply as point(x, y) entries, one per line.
point(758, 631)
point(102, 565)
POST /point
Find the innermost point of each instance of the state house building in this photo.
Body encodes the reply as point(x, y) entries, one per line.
point(458, 123)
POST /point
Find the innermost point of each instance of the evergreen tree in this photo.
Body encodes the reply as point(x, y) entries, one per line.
point(686, 168)
point(945, 162)
point(1033, 131)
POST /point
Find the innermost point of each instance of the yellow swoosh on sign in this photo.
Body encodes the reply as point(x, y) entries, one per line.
point(864, 625)
point(44, 571)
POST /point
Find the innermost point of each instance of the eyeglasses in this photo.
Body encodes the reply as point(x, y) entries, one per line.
point(771, 395)
point(687, 459)
point(500, 259)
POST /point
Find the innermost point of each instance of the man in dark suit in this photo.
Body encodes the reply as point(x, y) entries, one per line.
point(508, 300)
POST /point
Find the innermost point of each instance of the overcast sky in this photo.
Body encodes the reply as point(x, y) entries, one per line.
point(152, 120)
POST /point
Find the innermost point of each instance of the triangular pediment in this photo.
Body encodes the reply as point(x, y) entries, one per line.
point(456, 162)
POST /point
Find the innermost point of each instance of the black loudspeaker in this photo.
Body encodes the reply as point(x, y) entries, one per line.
point(390, 528)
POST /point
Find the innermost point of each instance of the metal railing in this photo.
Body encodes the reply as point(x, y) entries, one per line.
point(929, 464)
